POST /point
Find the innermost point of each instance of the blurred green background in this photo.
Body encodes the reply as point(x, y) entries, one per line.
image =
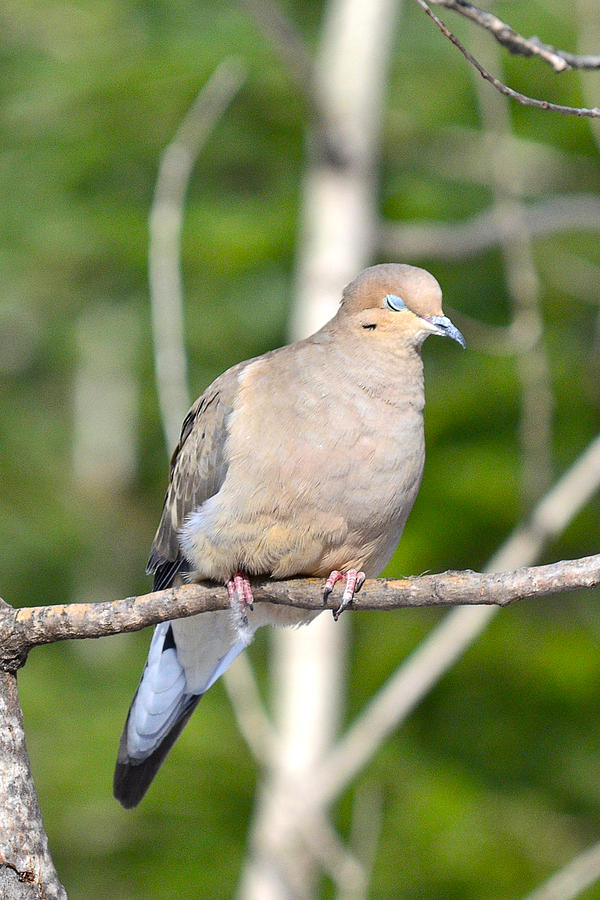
point(494, 781)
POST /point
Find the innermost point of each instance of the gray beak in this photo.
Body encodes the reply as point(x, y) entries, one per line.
point(445, 328)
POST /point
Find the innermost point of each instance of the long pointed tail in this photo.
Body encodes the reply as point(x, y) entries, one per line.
point(163, 702)
point(159, 711)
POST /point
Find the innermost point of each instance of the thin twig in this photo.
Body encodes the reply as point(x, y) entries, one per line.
point(515, 43)
point(593, 113)
point(166, 221)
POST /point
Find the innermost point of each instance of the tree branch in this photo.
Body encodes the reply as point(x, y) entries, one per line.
point(22, 629)
point(515, 43)
point(26, 868)
point(593, 113)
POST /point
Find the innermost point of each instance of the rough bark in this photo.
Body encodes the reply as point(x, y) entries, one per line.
point(26, 867)
point(22, 629)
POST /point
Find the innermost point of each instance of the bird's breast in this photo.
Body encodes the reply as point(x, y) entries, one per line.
point(318, 478)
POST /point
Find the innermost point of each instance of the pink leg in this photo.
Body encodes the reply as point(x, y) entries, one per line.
point(333, 579)
point(354, 581)
point(240, 596)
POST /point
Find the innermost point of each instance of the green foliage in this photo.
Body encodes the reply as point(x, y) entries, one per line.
point(492, 784)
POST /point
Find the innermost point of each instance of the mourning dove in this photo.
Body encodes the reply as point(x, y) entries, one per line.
point(303, 462)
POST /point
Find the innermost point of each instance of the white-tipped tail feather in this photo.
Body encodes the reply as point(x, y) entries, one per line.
point(161, 707)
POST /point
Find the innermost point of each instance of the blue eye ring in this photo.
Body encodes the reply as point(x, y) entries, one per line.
point(394, 302)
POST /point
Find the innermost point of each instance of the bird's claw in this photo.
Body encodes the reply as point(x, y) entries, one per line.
point(334, 577)
point(354, 581)
point(240, 596)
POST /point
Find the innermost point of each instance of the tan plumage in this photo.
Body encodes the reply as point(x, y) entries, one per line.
point(302, 461)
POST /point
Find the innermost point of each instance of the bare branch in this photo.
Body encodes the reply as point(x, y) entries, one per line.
point(515, 43)
point(167, 305)
point(166, 220)
point(22, 629)
point(461, 153)
point(580, 111)
point(337, 236)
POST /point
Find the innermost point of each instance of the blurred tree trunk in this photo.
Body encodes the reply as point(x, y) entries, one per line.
point(338, 237)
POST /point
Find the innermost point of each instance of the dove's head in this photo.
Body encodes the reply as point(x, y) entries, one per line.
point(397, 302)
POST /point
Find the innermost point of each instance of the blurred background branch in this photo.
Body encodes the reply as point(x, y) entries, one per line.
point(570, 882)
point(487, 229)
point(164, 253)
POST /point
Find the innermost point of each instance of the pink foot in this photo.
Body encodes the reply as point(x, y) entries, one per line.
point(354, 581)
point(240, 596)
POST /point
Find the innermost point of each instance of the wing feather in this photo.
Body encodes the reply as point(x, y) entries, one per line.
point(198, 469)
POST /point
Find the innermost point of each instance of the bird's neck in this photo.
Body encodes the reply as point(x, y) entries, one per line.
point(394, 375)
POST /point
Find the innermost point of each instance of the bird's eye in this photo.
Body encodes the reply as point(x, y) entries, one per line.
point(394, 302)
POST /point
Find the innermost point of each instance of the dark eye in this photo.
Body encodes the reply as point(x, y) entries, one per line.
point(394, 302)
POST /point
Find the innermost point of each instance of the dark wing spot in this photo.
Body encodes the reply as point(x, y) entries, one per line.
point(165, 571)
point(169, 641)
